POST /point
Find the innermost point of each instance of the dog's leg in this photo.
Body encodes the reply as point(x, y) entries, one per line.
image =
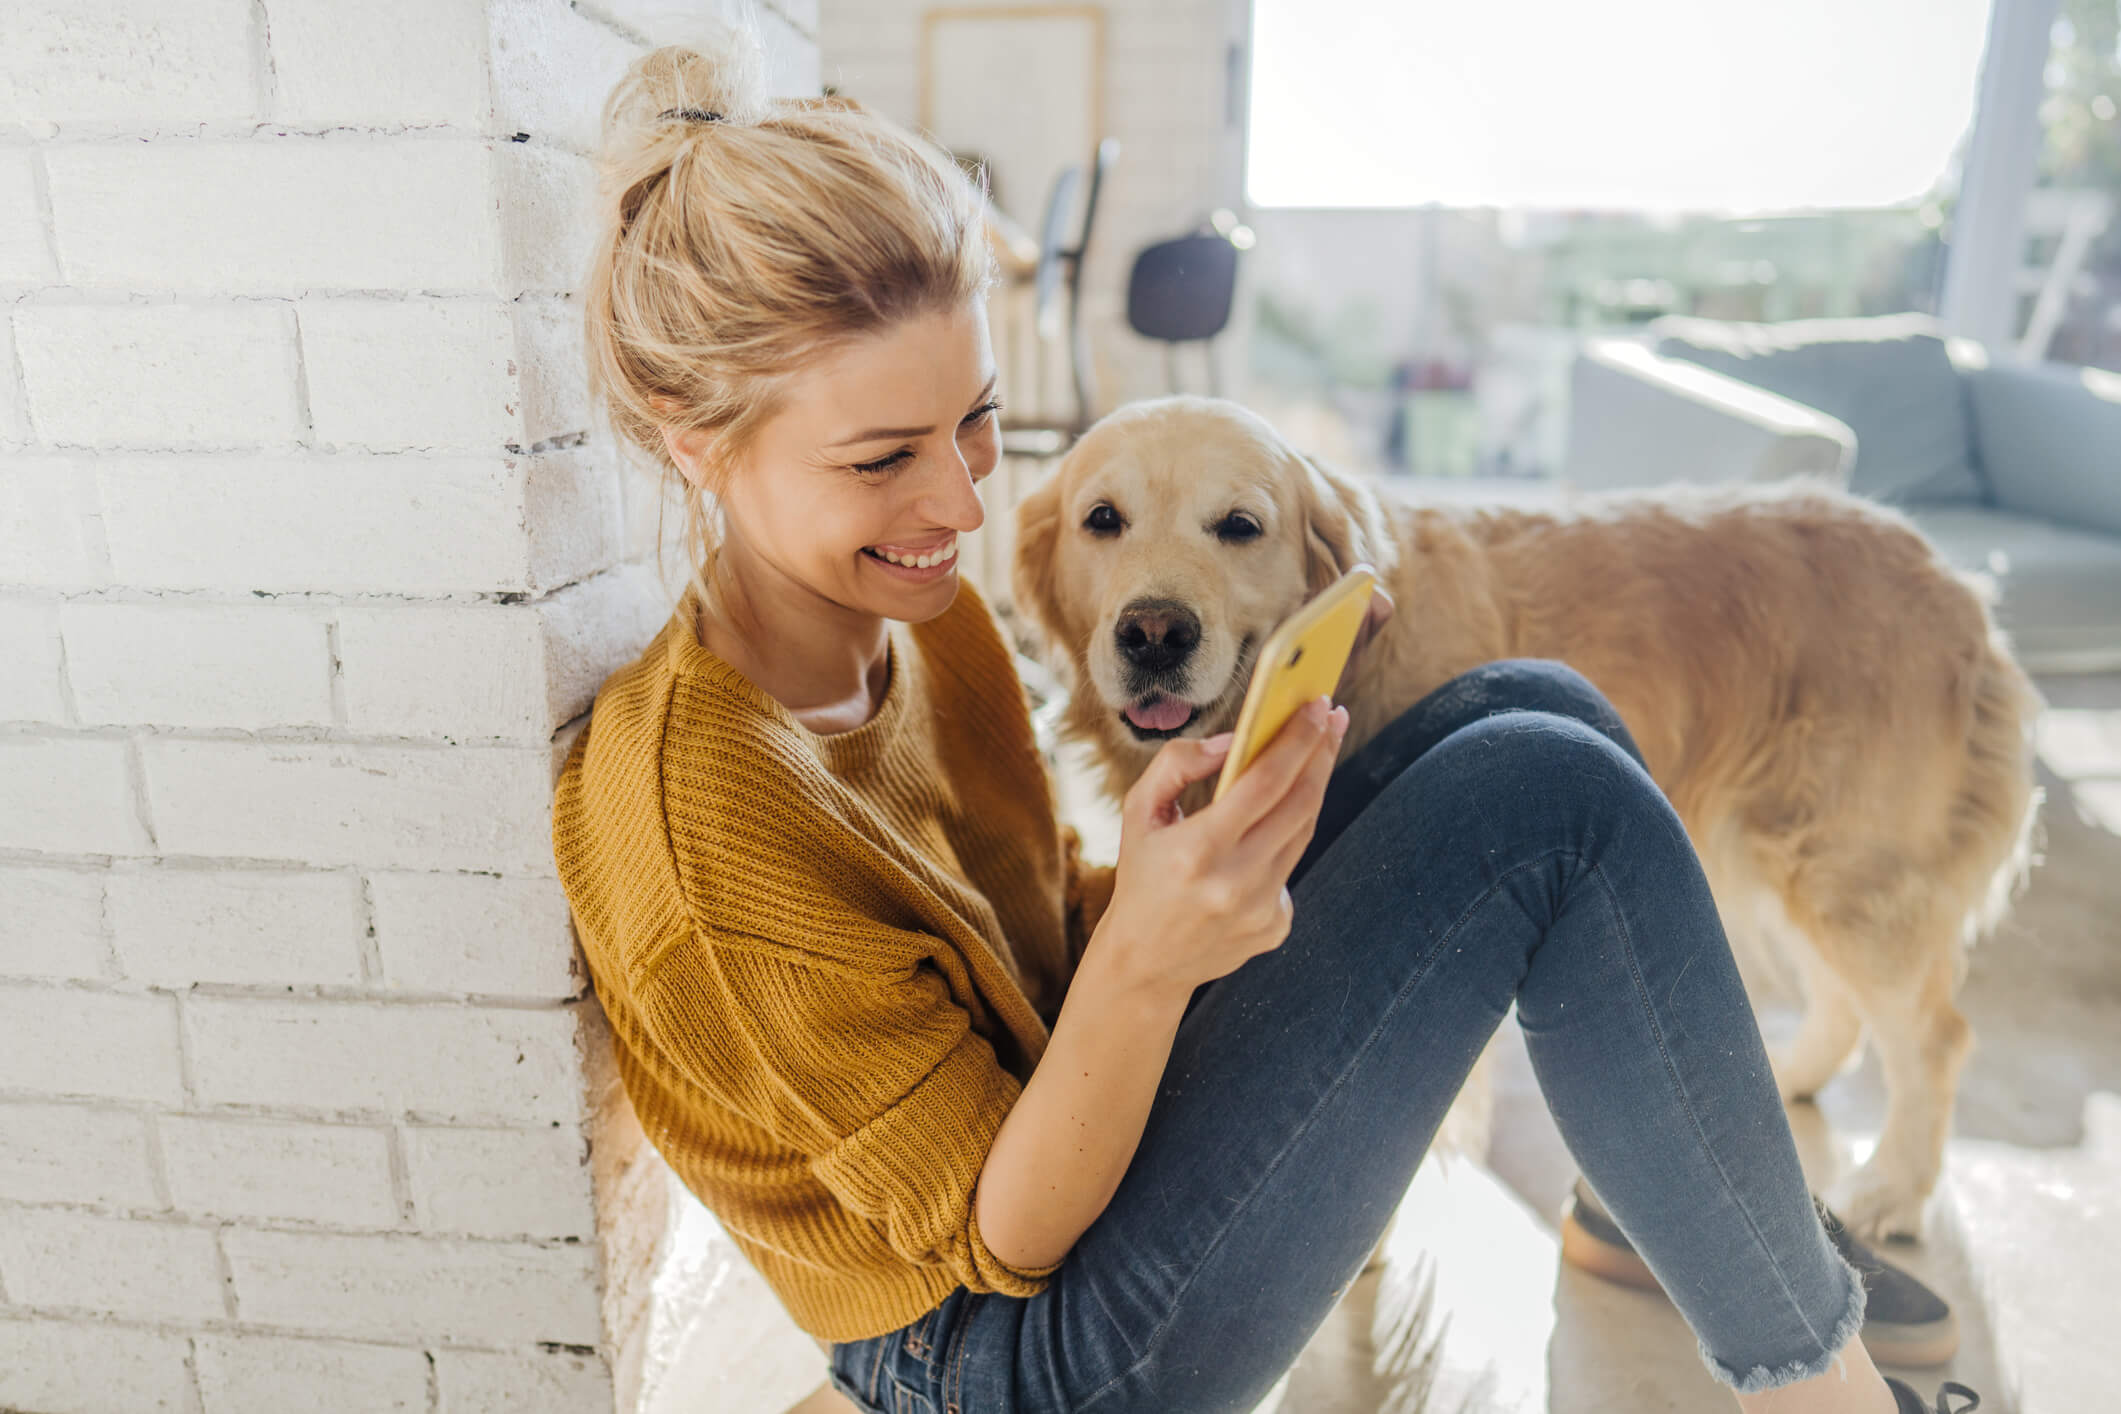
point(1924, 1042)
point(1831, 1028)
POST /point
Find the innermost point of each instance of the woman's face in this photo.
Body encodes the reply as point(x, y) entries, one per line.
point(874, 457)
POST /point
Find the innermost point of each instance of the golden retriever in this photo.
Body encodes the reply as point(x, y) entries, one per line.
point(1829, 707)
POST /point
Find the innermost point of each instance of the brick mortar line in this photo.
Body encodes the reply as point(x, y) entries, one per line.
point(296, 992)
point(528, 1350)
point(282, 737)
point(288, 1227)
point(284, 1114)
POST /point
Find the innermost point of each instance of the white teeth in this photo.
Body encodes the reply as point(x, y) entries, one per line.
point(948, 551)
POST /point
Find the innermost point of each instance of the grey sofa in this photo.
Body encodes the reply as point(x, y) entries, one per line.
point(2011, 469)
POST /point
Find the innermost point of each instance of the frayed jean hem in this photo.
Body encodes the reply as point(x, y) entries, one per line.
point(1761, 1377)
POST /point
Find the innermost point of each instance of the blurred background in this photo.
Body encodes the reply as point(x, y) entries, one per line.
point(1434, 206)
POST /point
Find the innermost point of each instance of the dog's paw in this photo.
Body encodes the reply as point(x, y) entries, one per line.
point(1877, 1204)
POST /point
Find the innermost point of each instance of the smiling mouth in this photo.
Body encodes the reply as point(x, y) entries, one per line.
point(1158, 714)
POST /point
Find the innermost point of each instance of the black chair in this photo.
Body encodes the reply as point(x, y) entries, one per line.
point(1060, 271)
point(1180, 292)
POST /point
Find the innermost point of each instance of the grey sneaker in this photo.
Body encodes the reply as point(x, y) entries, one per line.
point(1904, 1322)
point(1911, 1402)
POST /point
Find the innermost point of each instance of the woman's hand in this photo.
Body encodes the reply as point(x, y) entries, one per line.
point(1194, 896)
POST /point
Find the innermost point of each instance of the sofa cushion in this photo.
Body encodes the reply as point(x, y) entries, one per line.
point(1889, 378)
point(2061, 588)
point(2050, 440)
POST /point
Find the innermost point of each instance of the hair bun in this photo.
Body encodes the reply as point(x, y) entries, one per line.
point(718, 77)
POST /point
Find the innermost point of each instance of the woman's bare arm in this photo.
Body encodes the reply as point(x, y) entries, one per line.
point(1061, 1151)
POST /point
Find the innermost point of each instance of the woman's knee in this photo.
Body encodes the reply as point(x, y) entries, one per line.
point(1535, 684)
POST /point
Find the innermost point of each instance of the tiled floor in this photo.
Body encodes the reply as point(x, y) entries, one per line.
point(1473, 1312)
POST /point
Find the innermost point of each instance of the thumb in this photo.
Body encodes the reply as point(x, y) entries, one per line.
point(1177, 764)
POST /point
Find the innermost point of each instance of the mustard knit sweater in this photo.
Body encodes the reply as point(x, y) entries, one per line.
point(830, 961)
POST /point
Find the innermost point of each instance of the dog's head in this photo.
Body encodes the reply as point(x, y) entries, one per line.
point(1166, 546)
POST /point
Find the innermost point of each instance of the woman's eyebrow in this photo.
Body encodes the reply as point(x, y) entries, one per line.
point(878, 434)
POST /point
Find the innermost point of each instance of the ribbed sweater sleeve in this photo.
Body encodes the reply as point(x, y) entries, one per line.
point(876, 1078)
point(1088, 891)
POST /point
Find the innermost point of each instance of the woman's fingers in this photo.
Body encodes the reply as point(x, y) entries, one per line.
point(1177, 764)
point(1267, 846)
point(1267, 779)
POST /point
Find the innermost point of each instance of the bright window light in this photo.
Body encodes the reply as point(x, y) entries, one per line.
point(1658, 105)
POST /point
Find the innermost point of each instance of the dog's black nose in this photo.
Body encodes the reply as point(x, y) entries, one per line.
point(1156, 634)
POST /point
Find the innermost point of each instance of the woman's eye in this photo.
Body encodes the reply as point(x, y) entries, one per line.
point(972, 419)
point(1102, 519)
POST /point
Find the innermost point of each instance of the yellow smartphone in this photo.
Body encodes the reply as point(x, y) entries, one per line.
point(1300, 660)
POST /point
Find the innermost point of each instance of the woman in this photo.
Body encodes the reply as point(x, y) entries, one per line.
point(1010, 1132)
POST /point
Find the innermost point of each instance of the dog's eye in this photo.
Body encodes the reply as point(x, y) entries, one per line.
point(1102, 519)
point(1237, 526)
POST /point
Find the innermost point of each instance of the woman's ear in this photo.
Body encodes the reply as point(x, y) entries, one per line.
point(1033, 577)
point(690, 448)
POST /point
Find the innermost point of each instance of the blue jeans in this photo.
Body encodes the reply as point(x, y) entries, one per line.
point(1499, 842)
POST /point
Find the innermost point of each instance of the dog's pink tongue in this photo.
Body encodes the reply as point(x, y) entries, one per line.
point(1159, 714)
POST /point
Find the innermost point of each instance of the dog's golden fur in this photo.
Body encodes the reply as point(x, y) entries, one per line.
point(1830, 708)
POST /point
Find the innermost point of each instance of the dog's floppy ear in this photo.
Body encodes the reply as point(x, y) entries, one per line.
point(1033, 580)
point(1343, 524)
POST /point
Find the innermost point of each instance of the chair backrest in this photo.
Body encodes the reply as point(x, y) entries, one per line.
point(1101, 163)
point(1182, 289)
point(1051, 253)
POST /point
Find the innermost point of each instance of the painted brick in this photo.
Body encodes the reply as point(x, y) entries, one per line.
point(29, 646)
point(388, 63)
point(50, 532)
point(389, 374)
point(74, 1154)
point(395, 807)
point(461, 672)
point(571, 504)
point(92, 1369)
point(594, 628)
point(475, 933)
point(132, 1269)
point(278, 215)
point(547, 217)
point(390, 1287)
point(51, 922)
point(277, 1169)
point(65, 796)
point(127, 61)
point(160, 375)
point(349, 523)
point(242, 1374)
point(25, 251)
point(444, 1062)
point(530, 1183)
point(174, 927)
point(107, 1045)
point(530, 1382)
point(553, 383)
point(552, 66)
point(212, 665)
point(14, 407)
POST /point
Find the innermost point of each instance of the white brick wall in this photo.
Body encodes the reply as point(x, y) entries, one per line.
point(311, 560)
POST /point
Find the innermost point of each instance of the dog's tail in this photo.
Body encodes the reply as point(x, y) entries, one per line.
point(1997, 812)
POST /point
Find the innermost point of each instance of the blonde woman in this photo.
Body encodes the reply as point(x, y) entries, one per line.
point(1008, 1131)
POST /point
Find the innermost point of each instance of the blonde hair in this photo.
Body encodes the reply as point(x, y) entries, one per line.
point(742, 235)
